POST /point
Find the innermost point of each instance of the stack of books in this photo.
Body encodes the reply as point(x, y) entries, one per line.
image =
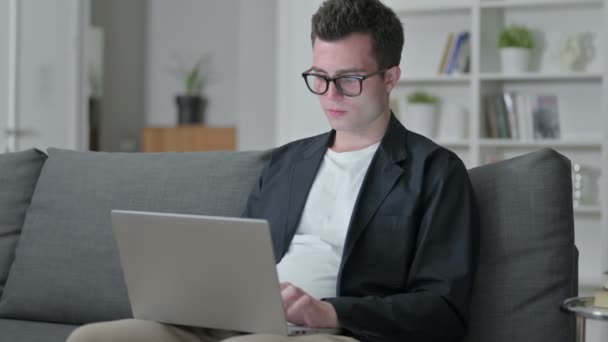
point(456, 57)
point(600, 298)
point(521, 116)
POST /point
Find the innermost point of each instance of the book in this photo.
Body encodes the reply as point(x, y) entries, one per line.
point(456, 50)
point(491, 117)
point(509, 100)
point(546, 119)
point(446, 52)
point(463, 54)
point(600, 299)
point(524, 117)
point(503, 118)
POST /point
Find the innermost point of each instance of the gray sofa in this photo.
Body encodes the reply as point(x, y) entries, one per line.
point(59, 265)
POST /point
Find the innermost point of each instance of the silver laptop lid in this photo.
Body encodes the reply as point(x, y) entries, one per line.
point(213, 272)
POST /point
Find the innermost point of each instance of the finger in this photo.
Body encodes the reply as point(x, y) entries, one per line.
point(289, 295)
point(298, 311)
point(290, 290)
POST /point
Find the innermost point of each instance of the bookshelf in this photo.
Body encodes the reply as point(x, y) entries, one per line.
point(539, 3)
point(436, 79)
point(422, 7)
point(536, 144)
point(539, 77)
point(582, 95)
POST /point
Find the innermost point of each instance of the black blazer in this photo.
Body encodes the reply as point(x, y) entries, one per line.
point(410, 250)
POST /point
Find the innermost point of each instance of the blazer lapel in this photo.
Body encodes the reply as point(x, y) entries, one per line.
point(381, 176)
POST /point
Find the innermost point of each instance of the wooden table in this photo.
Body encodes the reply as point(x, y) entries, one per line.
point(188, 138)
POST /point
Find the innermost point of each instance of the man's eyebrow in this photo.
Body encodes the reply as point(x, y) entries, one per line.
point(339, 72)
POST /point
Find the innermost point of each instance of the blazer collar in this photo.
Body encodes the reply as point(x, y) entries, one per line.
point(383, 172)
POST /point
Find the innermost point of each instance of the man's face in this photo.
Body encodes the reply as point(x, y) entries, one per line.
point(353, 56)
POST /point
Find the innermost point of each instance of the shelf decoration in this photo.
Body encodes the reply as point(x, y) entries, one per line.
point(516, 43)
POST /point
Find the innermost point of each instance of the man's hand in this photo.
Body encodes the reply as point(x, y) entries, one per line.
point(302, 309)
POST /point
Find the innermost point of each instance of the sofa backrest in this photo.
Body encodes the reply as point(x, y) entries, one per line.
point(528, 260)
point(19, 173)
point(66, 266)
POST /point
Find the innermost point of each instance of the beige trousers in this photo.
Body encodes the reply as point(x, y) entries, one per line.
point(134, 330)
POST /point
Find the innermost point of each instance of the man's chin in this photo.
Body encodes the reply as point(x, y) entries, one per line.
point(342, 126)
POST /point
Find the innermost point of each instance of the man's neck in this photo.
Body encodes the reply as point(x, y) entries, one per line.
point(346, 141)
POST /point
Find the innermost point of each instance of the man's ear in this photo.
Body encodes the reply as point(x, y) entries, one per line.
point(391, 78)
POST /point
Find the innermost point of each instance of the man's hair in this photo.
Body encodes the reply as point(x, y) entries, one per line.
point(336, 19)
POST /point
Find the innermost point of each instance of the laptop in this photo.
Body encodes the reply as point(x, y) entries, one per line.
point(202, 271)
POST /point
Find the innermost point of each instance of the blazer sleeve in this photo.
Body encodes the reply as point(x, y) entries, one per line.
point(434, 304)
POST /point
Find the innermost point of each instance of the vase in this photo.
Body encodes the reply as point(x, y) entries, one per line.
point(515, 60)
point(585, 184)
point(190, 109)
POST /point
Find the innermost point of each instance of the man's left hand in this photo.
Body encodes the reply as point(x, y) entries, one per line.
point(303, 309)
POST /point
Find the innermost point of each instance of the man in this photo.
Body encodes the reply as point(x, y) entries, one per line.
point(374, 227)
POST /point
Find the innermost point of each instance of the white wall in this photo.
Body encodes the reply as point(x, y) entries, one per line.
point(299, 114)
point(239, 36)
point(190, 29)
point(256, 74)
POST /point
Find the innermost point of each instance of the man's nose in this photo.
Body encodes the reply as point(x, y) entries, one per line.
point(332, 92)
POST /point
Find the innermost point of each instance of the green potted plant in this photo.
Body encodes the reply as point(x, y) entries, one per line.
point(421, 113)
point(515, 43)
point(190, 102)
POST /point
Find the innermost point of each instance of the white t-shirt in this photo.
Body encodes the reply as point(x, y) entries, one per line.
point(313, 259)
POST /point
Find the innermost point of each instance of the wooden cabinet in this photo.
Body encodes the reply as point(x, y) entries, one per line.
point(188, 138)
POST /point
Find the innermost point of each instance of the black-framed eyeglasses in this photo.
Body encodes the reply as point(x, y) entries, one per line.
point(348, 85)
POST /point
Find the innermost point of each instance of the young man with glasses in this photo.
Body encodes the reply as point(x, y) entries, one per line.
point(374, 226)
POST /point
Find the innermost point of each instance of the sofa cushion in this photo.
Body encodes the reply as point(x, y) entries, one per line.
point(527, 262)
point(18, 176)
point(27, 331)
point(67, 267)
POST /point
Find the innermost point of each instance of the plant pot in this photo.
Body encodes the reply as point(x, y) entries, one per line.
point(421, 118)
point(515, 60)
point(190, 109)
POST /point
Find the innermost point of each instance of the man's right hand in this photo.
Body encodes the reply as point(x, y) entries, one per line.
point(303, 309)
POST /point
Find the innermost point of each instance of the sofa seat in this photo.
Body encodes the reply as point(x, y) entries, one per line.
point(29, 331)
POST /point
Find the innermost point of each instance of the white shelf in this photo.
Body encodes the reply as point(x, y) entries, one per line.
point(435, 79)
point(588, 210)
point(536, 76)
point(511, 143)
point(454, 143)
point(538, 3)
point(430, 7)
